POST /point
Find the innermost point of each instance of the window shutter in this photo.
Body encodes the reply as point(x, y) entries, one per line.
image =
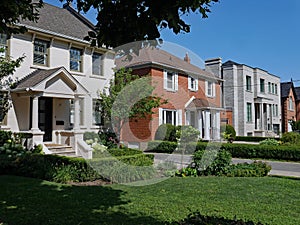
point(196, 84)
point(189, 83)
point(176, 81)
point(165, 80)
point(213, 89)
point(179, 117)
point(206, 87)
point(160, 116)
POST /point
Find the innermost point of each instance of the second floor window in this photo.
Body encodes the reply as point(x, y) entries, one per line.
point(248, 83)
point(3, 45)
point(40, 52)
point(291, 104)
point(249, 112)
point(97, 64)
point(192, 83)
point(75, 59)
point(262, 85)
point(210, 88)
point(170, 81)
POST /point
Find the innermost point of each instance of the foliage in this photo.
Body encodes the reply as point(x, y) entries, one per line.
point(166, 132)
point(269, 141)
point(108, 138)
point(196, 218)
point(251, 138)
point(127, 97)
point(291, 138)
point(187, 172)
point(4, 136)
point(188, 134)
point(161, 146)
point(12, 12)
point(90, 136)
point(255, 169)
point(295, 125)
point(228, 132)
point(124, 21)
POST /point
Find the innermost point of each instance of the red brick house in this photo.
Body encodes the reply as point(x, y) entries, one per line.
point(297, 91)
point(193, 96)
point(288, 105)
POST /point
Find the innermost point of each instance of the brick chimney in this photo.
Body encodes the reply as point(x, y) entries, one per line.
point(214, 66)
point(187, 58)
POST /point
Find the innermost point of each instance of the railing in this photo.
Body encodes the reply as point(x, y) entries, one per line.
point(64, 137)
point(84, 149)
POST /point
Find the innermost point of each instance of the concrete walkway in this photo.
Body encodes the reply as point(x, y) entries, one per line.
point(288, 169)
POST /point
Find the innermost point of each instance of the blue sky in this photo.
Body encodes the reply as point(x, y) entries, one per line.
point(258, 33)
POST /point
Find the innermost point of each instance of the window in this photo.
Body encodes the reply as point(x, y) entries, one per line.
point(72, 112)
point(97, 64)
point(262, 85)
point(210, 89)
point(40, 52)
point(269, 87)
point(170, 81)
point(276, 110)
point(75, 59)
point(273, 88)
point(170, 116)
point(291, 104)
point(3, 45)
point(248, 83)
point(249, 112)
point(276, 91)
point(97, 115)
point(192, 83)
point(193, 119)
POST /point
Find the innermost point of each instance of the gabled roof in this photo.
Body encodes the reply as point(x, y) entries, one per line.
point(65, 21)
point(297, 92)
point(285, 89)
point(151, 56)
point(198, 103)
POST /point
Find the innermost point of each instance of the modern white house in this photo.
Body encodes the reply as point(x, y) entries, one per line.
point(55, 96)
point(253, 97)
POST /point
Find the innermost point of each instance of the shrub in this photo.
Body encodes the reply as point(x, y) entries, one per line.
point(91, 136)
point(4, 137)
point(189, 134)
point(166, 132)
point(269, 141)
point(228, 132)
point(196, 218)
point(291, 138)
point(108, 138)
point(255, 169)
point(251, 138)
point(162, 146)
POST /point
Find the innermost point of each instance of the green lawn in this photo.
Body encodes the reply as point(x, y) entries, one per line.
point(30, 201)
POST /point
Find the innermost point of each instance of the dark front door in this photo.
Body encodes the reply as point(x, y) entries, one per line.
point(45, 117)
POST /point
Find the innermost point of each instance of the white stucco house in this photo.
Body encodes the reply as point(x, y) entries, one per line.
point(55, 97)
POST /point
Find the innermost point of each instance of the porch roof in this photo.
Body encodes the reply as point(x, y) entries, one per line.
point(53, 81)
point(200, 103)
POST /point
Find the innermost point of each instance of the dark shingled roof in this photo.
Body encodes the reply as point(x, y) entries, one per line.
point(201, 103)
point(155, 56)
point(65, 21)
point(35, 78)
point(285, 89)
point(297, 91)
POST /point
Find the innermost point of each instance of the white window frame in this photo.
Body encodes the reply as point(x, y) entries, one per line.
point(192, 83)
point(41, 52)
point(97, 114)
point(97, 64)
point(291, 103)
point(176, 116)
point(75, 59)
point(212, 89)
point(174, 81)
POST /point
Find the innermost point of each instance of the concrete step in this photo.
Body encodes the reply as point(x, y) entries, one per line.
point(62, 150)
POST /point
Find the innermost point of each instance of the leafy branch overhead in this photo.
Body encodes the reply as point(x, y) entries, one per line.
point(124, 21)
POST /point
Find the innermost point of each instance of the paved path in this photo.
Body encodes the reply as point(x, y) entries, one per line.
point(289, 169)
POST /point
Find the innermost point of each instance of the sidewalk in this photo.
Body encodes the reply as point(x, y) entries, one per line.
point(288, 169)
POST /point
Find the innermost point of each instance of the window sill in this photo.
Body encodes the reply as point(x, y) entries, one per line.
point(210, 96)
point(34, 66)
point(77, 73)
point(170, 90)
point(101, 77)
point(249, 91)
point(193, 90)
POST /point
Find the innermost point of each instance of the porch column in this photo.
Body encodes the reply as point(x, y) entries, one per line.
point(76, 114)
point(200, 122)
point(207, 126)
point(35, 114)
point(218, 126)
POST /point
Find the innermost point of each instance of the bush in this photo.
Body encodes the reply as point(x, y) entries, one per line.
point(212, 161)
point(255, 169)
point(228, 132)
point(166, 132)
point(291, 138)
point(4, 137)
point(269, 141)
point(251, 138)
point(108, 138)
point(196, 218)
point(162, 146)
point(91, 136)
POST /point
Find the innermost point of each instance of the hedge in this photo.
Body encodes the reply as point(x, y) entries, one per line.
point(280, 152)
point(252, 138)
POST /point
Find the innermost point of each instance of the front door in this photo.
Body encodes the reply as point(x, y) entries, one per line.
point(45, 117)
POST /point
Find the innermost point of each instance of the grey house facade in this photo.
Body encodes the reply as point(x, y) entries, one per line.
point(253, 96)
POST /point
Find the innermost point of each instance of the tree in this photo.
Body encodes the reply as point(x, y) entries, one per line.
point(124, 21)
point(295, 125)
point(13, 11)
point(128, 96)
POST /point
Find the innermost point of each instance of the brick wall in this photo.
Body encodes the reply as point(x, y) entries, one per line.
point(286, 113)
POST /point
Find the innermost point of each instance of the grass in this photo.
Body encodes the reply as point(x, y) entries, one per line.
point(30, 201)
